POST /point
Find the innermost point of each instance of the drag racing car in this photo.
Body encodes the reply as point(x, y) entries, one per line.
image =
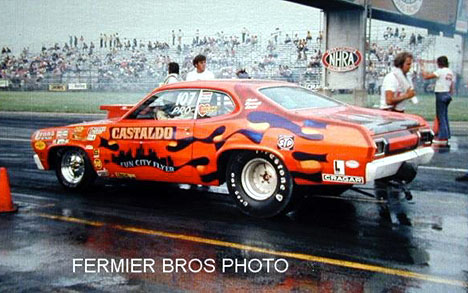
point(262, 138)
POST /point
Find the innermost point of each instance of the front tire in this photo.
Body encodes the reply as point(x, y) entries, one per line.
point(74, 170)
point(260, 184)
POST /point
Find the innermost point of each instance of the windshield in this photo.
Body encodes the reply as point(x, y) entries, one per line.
point(294, 98)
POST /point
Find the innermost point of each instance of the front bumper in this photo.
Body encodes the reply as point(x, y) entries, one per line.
point(38, 162)
point(389, 166)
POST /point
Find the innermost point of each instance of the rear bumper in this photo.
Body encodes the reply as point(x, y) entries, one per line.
point(389, 166)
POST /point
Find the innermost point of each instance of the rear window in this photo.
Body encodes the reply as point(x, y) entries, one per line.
point(294, 98)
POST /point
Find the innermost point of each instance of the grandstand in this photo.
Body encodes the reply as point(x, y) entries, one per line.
point(141, 67)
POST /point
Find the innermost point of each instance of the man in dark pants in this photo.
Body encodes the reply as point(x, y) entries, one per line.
point(443, 90)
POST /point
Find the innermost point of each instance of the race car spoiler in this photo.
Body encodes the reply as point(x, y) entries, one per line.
point(117, 110)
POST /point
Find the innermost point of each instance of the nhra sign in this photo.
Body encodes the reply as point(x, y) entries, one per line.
point(341, 59)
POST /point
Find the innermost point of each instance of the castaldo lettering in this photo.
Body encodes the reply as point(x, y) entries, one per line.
point(161, 133)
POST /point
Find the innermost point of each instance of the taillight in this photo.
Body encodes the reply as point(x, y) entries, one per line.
point(425, 136)
point(380, 146)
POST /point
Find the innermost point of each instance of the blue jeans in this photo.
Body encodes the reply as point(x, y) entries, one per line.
point(442, 102)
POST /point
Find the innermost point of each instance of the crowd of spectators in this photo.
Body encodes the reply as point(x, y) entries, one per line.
point(113, 62)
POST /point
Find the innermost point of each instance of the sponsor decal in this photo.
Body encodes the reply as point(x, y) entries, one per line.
point(352, 164)
point(252, 103)
point(61, 141)
point(93, 132)
point(89, 147)
point(339, 167)
point(205, 97)
point(204, 109)
point(408, 7)
point(62, 134)
point(286, 142)
point(342, 178)
point(142, 159)
point(96, 130)
point(97, 163)
point(77, 133)
point(159, 133)
point(342, 59)
point(45, 135)
point(96, 153)
point(39, 145)
point(102, 173)
point(125, 175)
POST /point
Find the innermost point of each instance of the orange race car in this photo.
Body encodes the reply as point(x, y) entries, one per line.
point(262, 138)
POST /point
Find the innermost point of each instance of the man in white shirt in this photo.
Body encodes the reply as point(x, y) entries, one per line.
point(200, 72)
point(396, 86)
point(443, 91)
point(173, 75)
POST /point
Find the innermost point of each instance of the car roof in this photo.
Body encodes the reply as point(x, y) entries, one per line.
point(227, 84)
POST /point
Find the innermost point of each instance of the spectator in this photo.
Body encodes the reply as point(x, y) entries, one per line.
point(179, 37)
point(242, 74)
point(173, 76)
point(200, 72)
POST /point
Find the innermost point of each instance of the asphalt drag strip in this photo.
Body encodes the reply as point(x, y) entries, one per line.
point(330, 243)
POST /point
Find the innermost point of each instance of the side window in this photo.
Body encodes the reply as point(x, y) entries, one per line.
point(213, 104)
point(170, 105)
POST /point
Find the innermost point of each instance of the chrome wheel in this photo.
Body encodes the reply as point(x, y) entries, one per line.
point(259, 179)
point(73, 166)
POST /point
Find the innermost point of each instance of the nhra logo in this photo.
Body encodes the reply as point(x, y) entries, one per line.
point(408, 7)
point(342, 59)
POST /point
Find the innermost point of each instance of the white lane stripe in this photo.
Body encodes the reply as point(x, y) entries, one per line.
point(33, 196)
point(15, 139)
point(443, 169)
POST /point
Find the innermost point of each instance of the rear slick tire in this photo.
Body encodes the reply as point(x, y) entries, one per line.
point(260, 183)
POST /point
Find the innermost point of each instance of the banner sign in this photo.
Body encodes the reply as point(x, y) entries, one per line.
point(4, 83)
point(77, 86)
point(438, 11)
point(57, 87)
point(342, 59)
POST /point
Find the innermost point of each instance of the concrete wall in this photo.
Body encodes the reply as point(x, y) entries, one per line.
point(346, 28)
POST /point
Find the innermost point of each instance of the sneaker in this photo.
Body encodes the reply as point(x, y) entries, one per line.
point(440, 141)
point(462, 178)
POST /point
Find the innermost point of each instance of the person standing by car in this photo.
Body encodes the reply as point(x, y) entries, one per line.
point(173, 73)
point(200, 72)
point(443, 90)
point(397, 88)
